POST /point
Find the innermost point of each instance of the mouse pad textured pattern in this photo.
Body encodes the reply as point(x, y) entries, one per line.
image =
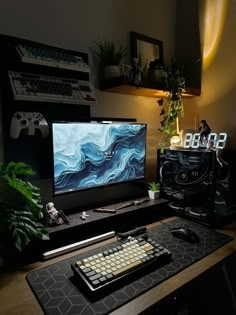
point(58, 293)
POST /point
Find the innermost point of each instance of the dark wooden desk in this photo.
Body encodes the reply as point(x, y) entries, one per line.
point(16, 296)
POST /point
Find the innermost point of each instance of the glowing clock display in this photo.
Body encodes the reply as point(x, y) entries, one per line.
point(214, 140)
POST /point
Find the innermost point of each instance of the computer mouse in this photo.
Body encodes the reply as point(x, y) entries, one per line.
point(186, 234)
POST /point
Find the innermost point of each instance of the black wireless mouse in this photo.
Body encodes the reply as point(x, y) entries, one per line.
point(185, 234)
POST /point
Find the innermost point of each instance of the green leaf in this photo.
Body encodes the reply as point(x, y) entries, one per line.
point(26, 190)
point(162, 112)
point(160, 101)
point(24, 228)
point(108, 52)
point(21, 239)
point(163, 123)
point(154, 186)
point(20, 208)
point(174, 80)
point(14, 168)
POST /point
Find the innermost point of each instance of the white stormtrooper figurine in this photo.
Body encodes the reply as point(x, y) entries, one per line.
point(53, 215)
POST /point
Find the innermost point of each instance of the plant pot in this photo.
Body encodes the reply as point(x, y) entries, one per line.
point(154, 194)
point(156, 75)
point(111, 72)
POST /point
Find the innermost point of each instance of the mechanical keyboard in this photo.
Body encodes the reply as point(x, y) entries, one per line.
point(34, 87)
point(102, 270)
point(52, 57)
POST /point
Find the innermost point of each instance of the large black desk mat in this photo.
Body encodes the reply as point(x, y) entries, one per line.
point(57, 293)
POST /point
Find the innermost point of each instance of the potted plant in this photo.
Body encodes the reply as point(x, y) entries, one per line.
point(109, 56)
point(174, 85)
point(20, 207)
point(154, 190)
point(156, 72)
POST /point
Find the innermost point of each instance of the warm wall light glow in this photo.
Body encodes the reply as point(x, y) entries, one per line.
point(177, 125)
point(213, 22)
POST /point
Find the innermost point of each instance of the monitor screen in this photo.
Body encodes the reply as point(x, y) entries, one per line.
point(91, 155)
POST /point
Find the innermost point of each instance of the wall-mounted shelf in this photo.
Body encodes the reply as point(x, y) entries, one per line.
point(120, 85)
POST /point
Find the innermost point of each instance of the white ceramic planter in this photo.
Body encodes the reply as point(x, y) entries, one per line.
point(154, 194)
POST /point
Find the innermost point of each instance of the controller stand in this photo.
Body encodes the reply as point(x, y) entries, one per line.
point(28, 123)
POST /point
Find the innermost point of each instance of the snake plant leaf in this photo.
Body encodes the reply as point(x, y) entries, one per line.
point(154, 186)
point(108, 52)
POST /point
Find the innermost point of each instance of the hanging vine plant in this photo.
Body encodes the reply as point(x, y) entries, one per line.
point(174, 84)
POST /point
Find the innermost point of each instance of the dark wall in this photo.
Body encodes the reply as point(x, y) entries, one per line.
point(36, 150)
point(188, 45)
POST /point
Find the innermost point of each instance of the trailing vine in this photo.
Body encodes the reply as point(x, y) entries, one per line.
point(174, 85)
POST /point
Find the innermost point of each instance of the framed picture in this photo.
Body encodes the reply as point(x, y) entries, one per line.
point(146, 49)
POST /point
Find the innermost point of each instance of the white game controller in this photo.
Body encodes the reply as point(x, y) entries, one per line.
point(28, 122)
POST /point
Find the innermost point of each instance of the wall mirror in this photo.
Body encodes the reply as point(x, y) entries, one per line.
point(146, 49)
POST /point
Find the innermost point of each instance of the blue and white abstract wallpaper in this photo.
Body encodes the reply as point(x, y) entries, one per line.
point(88, 155)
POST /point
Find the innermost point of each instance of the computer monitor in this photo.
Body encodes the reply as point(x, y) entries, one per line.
point(93, 155)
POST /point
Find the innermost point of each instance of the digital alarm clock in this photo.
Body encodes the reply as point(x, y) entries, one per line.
point(214, 140)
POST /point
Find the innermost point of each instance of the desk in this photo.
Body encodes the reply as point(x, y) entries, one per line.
point(16, 296)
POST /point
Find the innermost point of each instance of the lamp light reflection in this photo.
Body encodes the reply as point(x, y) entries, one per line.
point(213, 22)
